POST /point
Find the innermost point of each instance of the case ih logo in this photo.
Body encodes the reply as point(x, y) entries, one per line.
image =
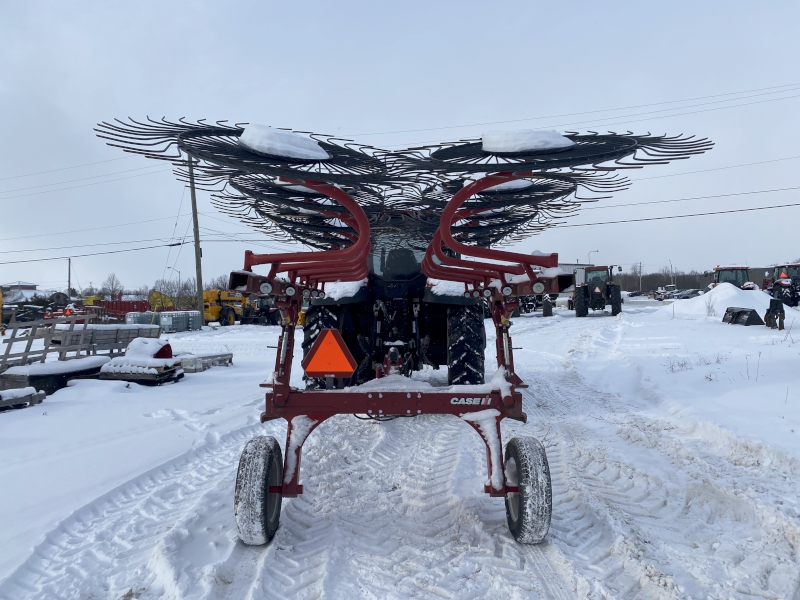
point(472, 401)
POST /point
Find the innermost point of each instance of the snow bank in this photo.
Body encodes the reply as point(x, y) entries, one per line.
point(524, 139)
point(722, 296)
point(59, 367)
point(343, 289)
point(276, 142)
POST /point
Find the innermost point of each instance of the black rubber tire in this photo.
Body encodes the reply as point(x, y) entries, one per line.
point(317, 319)
point(258, 512)
point(615, 299)
point(547, 307)
point(529, 510)
point(466, 345)
point(579, 303)
point(225, 316)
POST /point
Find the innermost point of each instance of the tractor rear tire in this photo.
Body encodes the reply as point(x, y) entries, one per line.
point(227, 316)
point(615, 296)
point(579, 302)
point(529, 509)
point(466, 345)
point(258, 511)
point(317, 319)
point(547, 307)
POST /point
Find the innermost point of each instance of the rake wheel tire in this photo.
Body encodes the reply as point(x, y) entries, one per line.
point(466, 345)
point(257, 511)
point(528, 510)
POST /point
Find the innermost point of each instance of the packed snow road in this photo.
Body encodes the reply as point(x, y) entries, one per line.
point(672, 442)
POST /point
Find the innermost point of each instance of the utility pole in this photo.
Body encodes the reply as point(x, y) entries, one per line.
point(69, 280)
point(198, 252)
point(640, 276)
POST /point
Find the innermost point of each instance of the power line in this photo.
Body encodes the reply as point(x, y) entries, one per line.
point(763, 162)
point(692, 198)
point(14, 262)
point(778, 91)
point(26, 237)
point(33, 187)
point(720, 212)
point(625, 122)
point(65, 168)
point(74, 187)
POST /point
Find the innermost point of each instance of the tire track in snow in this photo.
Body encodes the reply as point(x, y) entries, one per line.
point(379, 519)
point(89, 551)
point(629, 503)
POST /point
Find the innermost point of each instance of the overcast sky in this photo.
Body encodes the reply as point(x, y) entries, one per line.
point(363, 69)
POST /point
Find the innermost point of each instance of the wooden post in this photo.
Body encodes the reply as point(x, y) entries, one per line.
point(198, 252)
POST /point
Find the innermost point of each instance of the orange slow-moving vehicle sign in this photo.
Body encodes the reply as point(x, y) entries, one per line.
point(329, 356)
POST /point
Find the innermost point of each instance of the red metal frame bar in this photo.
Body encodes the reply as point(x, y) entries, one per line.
point(306, 410)
point(314, 407)
point(321, 266)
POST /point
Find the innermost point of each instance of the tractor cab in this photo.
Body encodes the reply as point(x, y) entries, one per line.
point(784, 283)
point(738, 276)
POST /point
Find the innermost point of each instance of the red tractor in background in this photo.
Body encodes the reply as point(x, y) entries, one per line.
point(597, 291)
point(735, 275)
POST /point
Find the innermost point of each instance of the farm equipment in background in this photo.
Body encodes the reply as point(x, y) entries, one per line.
point(223, 306)
point(783, 283)
point(735, 275)
point(259, 310)
point(401, 267)
point(597, 291)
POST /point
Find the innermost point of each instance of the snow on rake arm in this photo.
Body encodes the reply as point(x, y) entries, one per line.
point(388, 287)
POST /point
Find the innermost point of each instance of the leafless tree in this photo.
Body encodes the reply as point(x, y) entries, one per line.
point(168, 289)
point(112, 287)
point(217, 283)
point(140, 293)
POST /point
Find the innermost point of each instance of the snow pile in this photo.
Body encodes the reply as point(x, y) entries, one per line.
point(486, 421)
point(551, 272)
point(714, 303)
point(148, 348)
point(510, 186)
point(16, 394)
point(343, 289)
point(276, 142)
point(143, 356)
point(60, 367)
point(301, 428)
point(442, 287)
point(524, 140)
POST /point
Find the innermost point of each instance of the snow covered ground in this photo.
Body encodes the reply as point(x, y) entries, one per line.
point(672, 440)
